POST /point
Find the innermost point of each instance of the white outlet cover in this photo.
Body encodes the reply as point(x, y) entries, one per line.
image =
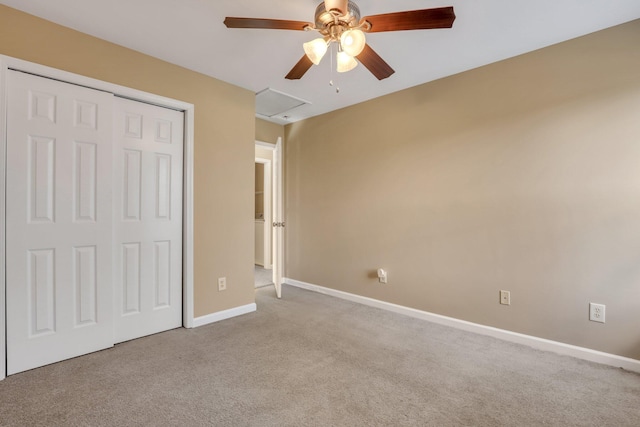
point(505, 297)
point(597, 312)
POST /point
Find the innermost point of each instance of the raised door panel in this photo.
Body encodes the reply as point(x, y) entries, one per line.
point(162, 188)
point(162, 276)
point(85, 183)
point(41, 286)
point(41, 179)
point(131, 184)
point(85, 281)
point(130, 279)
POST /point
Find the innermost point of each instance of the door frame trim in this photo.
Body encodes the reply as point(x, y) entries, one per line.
point(9, 63)
point(274, 243)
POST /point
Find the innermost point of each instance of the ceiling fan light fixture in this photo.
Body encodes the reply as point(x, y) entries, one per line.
point(353, 41)
point(315, 50)
point(335, 17)
point(345, 62)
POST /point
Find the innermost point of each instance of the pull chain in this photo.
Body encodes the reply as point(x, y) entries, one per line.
point(332, 54)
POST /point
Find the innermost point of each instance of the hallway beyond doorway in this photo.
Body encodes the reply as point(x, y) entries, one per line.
point(262, 276)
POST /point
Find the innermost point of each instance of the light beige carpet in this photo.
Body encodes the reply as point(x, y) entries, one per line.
point(313, 360)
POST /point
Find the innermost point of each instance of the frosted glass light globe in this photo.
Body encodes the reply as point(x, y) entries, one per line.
point(352, 42)
point(315, 50)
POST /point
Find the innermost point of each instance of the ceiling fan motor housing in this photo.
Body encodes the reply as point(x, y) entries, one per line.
point(339, 6)
point(339, 14)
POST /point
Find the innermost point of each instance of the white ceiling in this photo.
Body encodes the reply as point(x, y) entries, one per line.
point(190, 33)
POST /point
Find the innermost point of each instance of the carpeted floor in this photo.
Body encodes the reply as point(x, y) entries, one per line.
point(313, 360)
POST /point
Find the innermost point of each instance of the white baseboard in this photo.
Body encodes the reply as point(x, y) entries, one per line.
point(225, 314)
point(531, 341)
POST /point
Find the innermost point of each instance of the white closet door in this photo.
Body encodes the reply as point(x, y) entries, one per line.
point(59, 216)
point(148, 206)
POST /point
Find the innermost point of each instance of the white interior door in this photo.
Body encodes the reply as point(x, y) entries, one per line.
point(278, 219)
point(58, 210)
point(148, 206)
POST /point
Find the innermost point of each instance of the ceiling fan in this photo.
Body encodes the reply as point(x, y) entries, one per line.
point(339, 21)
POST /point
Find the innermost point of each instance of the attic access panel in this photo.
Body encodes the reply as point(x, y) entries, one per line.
point(270, 102)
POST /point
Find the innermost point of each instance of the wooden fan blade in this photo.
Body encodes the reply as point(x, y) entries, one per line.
point(270, 24)
point(299, 69)
point(374, 63)
point(424, 19)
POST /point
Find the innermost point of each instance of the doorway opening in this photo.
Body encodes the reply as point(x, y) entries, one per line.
point(262, 219)
point(268, 219)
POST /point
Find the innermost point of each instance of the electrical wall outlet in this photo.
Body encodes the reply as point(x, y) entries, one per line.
point(596, 312)
point(222, 283)
point(382, 275)
point(505, 297)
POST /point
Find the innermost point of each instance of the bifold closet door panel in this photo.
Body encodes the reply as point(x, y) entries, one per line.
point(148, 219)
point(59, 221)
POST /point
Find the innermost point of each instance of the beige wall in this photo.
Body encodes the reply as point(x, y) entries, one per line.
point(268, 132)
point(523, 175)
point(263, 153)
point(224, 143)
